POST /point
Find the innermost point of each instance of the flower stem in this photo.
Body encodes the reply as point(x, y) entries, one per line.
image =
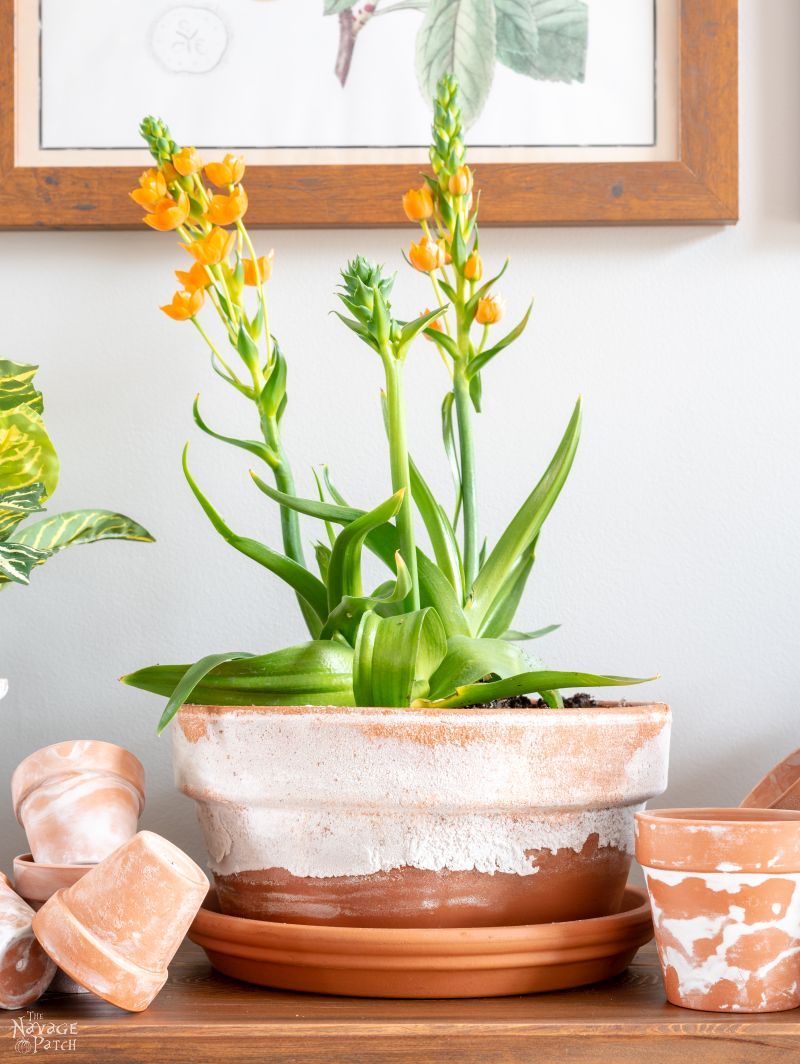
point(401, 478)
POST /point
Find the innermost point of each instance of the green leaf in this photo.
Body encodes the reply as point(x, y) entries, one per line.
point(333, 7)
point(563, 28)
point(344, 573)
point(274, 390)
point(17, 562)
point(247, 348)
point(322, 552)
point(295, 575)
point(313, 673)
point(324, 511)
point(515, 636)
point(256, 447)
point(480, 360)
point(396, 656)
point(412, 329)
point(472, 305)
point(52, 534)
point(506, 602)
point(517, 34)
point(469, 660)
point(17, 504)
point(191, 679)
point(525, 683)
point(525, 526)
point(451, 450)
point(345, 618)
point(27, 455)
point(458, 37)
point(440, 531)
point(16, 386)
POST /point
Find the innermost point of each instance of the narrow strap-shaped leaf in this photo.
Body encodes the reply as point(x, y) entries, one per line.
point(482, 359)
point(396, 656)
point(526, 683)
point(291, 572)
point(324, 511)
point(344, 572)
point(506, 602)
point(440, 531)
point(451, 450)
point(256, 447)
point(193, 676)
point(484, 290)
point(469, 660)
point(515, 636)
point(52, 534)
point(17, 562)
point(412, 329)
point(345, 618)
point(525, 526)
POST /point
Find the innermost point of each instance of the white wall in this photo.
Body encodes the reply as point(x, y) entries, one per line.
point(674, 548)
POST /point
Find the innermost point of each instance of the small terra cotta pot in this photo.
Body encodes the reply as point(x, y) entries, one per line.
point(25, 969)
point(724, 886)
point(420, 817)
point(78, 801)
point(117, 928)
point(35, 883)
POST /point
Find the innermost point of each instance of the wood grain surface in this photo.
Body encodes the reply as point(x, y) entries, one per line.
point(701, 187)
point(202, 1017)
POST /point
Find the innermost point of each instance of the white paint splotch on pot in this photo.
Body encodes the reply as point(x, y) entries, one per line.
point(418, 817)
point(78, 801)
point(727, 911)
point(25, 969)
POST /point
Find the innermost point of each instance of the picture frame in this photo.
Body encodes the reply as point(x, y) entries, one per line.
point(698, 185)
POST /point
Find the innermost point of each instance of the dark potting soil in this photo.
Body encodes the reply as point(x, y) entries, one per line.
point(579, 701)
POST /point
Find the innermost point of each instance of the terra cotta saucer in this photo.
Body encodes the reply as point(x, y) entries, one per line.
point(426, 963)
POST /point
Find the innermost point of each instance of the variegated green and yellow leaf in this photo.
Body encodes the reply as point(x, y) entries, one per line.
point(16, 505)
point(16, 386)
point(27, 455)
point(17, 561)
point(54, 533)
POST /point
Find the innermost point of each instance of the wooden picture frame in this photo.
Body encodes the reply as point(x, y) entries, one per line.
point(699, 186)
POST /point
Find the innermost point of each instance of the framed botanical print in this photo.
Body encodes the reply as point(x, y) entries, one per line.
point(578, 111)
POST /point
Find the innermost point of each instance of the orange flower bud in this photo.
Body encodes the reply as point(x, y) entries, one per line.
point(448, 258)
point(229, 172)
point(264, 263)
point(490, 310)
point(152, 188)
point(195, 278)
point(168, 213)
point(427, 255)
point(185, 305)
point(187, 162)
point(460, 183)
point(473, 267)
point(418, 204)
point(436, 324)
point(226, 210)
point(213, 248)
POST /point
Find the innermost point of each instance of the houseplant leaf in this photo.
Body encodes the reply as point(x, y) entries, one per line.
point(16, 386)
point(395, 657)
point(344, 571)
point(458, 37)
point(17, 504)
point(503, 609)
point(17, 562)
point(536, 682)
point(80, 526)
point(27, 455)
point(469, 660)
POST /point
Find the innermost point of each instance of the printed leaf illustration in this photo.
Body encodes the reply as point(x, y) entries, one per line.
point(333, 7)
point(553, 48)
point(458, 37)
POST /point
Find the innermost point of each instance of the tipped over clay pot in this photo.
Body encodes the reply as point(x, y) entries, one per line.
point(78, 801)
point(724, 887)
point(25, 969)
point(116, 929)
point(419, 817)
point(779, 789)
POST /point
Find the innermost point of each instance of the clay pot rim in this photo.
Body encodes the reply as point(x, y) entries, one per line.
point(719, 840)
point(212, 925)
point(26, 859)
point(100, 756)
point(765, 787)
point(626, 709)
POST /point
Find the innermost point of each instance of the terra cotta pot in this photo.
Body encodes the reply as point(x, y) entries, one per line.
point(117, 928)
point(420, 818)
point(724, 886)
point(78, 801)
point(25, 969)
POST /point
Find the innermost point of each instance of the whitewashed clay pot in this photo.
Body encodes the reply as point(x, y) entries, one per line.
point(420, 818)
point(724, 887)
point(25, 969)
point(117, 928)
point(78, 801)
point(35, 883)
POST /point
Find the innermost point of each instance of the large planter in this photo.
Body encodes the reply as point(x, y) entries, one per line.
point(420, 818)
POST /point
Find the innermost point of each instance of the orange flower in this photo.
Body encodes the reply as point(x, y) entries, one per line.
point(194, 279)
point(187, 162)
point(473, 267)
point(185, 305)
point(427, 255)
point(460, 183)
point(490, 310)
point(264, 263)
point(225, 210)
point(229, 172)
point(152, 188)
point(215, 246)
point(418, 204)
point(436, 324)
point(168, 213)
point(448, 258)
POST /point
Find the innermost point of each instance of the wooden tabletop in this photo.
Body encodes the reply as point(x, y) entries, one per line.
point(203, 1017)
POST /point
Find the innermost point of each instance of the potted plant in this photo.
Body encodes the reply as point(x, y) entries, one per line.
point(29, 472)
point(391, 770)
